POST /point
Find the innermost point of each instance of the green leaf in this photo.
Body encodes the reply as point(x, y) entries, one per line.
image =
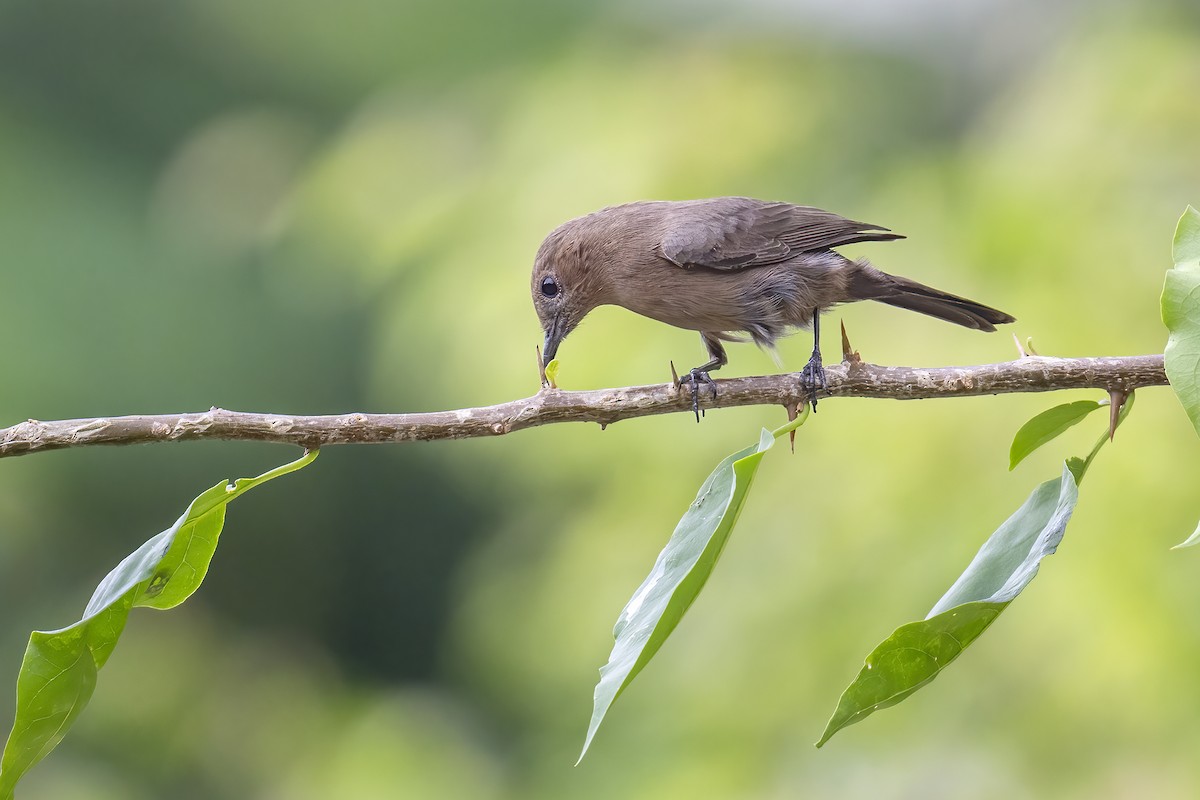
point(1046, 426)
point(1190, 541)
point(679, 573)
point(1185, 247)
point(58, 674)
point(552, 373)
point(1181, 315)
point(1077, 466)
point(916, 653)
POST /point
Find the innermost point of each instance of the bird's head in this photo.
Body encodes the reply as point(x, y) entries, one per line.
point(565, 285)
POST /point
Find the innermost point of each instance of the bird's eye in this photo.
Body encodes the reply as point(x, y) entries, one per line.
point(549, 287)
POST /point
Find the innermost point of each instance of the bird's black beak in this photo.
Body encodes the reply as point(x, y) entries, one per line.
point(554, 336)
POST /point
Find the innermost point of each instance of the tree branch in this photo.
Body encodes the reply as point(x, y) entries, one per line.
point(852, 378)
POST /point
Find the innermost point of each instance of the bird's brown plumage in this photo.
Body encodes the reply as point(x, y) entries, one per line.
point(723, 266)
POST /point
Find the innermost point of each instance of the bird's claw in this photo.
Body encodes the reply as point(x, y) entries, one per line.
point(694, 378)
point(812, 379)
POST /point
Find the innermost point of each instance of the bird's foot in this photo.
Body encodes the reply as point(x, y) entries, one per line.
point(812, 379)
point(694, 378)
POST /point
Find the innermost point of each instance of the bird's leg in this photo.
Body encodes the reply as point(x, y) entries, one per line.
point(812, 378)
point(699, 375)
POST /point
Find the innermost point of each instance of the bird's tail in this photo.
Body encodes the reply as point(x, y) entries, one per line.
point(869, 283)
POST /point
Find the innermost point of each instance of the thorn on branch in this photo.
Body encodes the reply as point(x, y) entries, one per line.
point(849, 354)
point(1025, 350)
point(1116, 401)
point(791, 414)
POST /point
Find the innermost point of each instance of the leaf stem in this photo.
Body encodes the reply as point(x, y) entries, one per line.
point(792, 425)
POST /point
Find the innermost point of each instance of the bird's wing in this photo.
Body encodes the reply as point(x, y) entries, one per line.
point(736, 233)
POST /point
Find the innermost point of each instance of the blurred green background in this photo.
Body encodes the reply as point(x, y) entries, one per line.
point(309, 207)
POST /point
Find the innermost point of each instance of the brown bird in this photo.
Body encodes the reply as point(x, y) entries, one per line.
point(724, 267)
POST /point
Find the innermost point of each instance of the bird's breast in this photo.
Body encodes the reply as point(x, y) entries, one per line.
point(764, 301)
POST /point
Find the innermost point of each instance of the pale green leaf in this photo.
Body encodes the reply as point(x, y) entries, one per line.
point(1046, 426)
point(1185, 247)
point(58, 673)
point(1181, 315)
point(1190, 541)
point(1077, 466)
point(916, 653)
point(679, 573)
